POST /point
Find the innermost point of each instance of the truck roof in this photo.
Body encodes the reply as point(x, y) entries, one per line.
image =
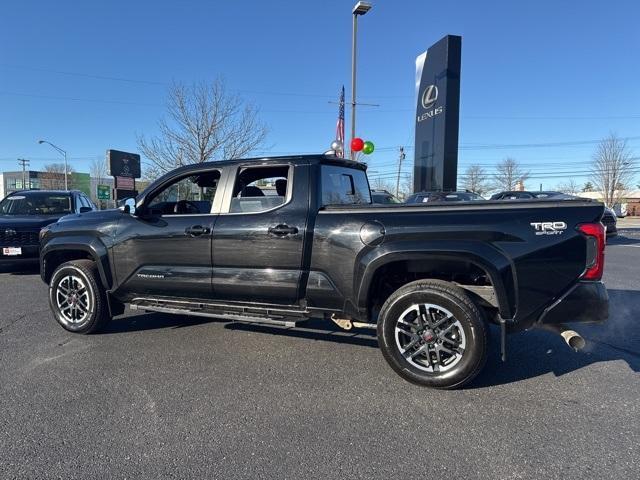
point(265, 160)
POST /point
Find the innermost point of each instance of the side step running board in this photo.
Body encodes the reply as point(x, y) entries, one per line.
point(221, 315)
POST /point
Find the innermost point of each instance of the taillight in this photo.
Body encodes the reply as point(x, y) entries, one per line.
point(595, 235)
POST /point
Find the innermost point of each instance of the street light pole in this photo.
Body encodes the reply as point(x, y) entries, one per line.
point(360, 9)
point(64, 154)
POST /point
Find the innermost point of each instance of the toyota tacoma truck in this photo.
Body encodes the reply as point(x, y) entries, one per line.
point(284, 239)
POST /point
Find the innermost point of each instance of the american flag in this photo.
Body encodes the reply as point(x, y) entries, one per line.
point(340, 124)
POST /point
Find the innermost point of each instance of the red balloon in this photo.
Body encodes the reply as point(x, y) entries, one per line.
point(357, 144)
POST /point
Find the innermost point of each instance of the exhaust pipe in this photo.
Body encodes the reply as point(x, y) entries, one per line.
point(571, 337)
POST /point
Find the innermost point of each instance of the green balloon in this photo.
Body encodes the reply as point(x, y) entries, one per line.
point(368, 148)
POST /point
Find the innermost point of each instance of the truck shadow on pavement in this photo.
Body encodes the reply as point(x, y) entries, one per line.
point(529, 354)
point(314, 329)
point(538, 352)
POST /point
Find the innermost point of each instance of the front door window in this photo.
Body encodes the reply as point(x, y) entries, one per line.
point(191, 195)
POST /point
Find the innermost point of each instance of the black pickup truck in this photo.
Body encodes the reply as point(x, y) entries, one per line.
point(281, 240)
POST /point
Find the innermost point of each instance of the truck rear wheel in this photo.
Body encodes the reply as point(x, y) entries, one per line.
point(76, 297)
point(432, 334)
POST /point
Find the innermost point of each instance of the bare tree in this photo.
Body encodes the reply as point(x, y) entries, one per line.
point(204, 122)
point(98, 171)
point(612, 168)
point(508, 174)
point(406, 186)
point(475, 179)
point(571, 187)
point(53, 176)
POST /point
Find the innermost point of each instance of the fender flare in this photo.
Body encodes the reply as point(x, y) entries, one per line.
point(91, 245)
point(494, 262)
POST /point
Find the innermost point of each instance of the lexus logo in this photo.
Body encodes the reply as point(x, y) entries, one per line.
point(429, 96)
point(10, 232)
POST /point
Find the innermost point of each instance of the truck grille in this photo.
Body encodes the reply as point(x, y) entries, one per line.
point(15, 237)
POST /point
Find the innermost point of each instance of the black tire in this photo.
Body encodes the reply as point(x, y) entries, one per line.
point(90, 311)
point(422, 341)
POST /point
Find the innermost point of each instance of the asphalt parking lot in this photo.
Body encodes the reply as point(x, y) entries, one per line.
point(159, 396)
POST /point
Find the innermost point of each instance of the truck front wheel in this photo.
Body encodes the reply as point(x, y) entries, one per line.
point(432, 334)
point(76, 297)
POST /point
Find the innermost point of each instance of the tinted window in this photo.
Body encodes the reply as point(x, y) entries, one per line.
point(258, 189)
point(384, 198)
point(90, 203)
point(344, 186)
point(36, 204)
point(84, 202)
point(187, 196)
point(548, 194)
point(462, 197)
point(516, 196)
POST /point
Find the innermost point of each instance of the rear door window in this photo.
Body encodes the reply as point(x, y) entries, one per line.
point(259, 189)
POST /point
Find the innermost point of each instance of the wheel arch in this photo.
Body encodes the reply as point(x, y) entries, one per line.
point(454, 258)
point(60, 250)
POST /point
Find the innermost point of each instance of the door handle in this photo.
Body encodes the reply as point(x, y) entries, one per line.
point(196, 230)
point(282, 230)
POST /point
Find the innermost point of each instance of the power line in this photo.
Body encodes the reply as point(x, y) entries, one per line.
point(81, 74)
point(74, 99)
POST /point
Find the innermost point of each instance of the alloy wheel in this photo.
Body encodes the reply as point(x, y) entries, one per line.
point(430, 338)
point(73, 300)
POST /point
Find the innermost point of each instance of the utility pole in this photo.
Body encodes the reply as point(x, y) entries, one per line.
point(24, 163)
point(400, 159)
point(360, 9)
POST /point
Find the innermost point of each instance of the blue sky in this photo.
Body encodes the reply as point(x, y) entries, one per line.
point(544, 72)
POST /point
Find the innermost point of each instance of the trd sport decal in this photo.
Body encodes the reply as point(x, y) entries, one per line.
point(549, 228)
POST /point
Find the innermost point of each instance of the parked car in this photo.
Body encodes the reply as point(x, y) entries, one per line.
point(511, 196)
point(610, 221)
point(383, 197)
point(428, 277)
point(424, 197)
point(524, 195)
point(24, 213)
point(620, 210)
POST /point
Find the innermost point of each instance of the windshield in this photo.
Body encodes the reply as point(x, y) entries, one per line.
point(36, 204)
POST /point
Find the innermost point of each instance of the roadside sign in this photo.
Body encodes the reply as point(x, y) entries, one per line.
point(103, 192)
point(125, 183)
point(123, 164)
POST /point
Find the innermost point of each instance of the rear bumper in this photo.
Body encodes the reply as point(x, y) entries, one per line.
point(586, 302)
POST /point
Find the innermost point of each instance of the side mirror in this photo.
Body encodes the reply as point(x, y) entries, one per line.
point(130, 206)
point(86, 209)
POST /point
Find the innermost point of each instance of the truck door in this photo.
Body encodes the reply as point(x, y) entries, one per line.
point(258, 238)
point(166, 245)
